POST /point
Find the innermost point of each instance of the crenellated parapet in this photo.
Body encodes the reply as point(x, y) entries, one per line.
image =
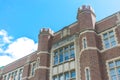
point(86, 17)
point(46, 31)
point(86, 8)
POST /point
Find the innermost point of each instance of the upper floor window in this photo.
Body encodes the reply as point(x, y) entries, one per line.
point(55, 58)
point(5, 77)
point(14, 75)
point(63, 54)
point(72, 54)
point(114, 70)
point(84, 43)
point(66, 54)
point(109, 39)
point(20, 74)
point(33, 67)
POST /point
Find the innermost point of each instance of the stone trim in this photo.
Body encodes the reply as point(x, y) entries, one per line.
point(43, 52)
point(43, 67)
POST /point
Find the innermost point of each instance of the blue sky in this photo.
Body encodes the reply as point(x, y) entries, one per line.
point(21, 21)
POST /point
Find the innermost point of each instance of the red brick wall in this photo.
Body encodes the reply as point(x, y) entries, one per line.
point(91, 59)
point(106, 24)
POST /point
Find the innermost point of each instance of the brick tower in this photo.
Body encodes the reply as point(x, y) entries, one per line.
point(44, 45)
point(89, 55)
point(86, 18)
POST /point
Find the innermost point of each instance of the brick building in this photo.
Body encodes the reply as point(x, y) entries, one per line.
point(84, 50)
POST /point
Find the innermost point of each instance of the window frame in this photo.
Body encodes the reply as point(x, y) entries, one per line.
point(84, 43)
point(67, 56)
point(115, 67)
point(32, 72)
point(87, 74)
point(108, 33)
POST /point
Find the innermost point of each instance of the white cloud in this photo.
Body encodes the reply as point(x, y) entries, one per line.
point(21, 47)
point(4, 37)
point(5, 60)
point(14, 49)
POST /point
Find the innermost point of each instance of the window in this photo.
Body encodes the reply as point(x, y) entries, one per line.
point(9, 76)
point(87, 74)
point(55, 78)
point(66, 54)
point(63, 54)
point(15, 75)
point(114, 70)
point(84, 42)
point(67, 76)
point(61, 77)
point(56, 58)
point(20, 74)
point(33, 67)
point(5, 77)
point(109, 39)
point(72, 54)
point(73, 74)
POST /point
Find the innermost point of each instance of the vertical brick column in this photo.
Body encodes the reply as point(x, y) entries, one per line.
point(44, 47)
point(90, 58)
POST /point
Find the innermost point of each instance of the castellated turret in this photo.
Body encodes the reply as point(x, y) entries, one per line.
point(86, 17)
point(45, 37)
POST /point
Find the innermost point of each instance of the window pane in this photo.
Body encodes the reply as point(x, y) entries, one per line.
point(112, 41)
point(117, 63)
point(84, 43)
point(66, 48)
point(111, 33)
point(72, 54)
point(66, 76)
point(66, 54)
point(113, 78)
point(87, 74)
point(55, 58)
point(15, 75)
point(61, 56)
point(112, 72)
point(111, 65)
point(73, 74)
point(55, 78)
point(107, 44)
point(118, 72)
point(71, 46)
point(61, 77)
point(105, 36)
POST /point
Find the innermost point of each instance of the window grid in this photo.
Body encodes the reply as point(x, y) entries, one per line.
point(70, 75)
point(63, 54)
point(109, 39)
point(14, 75)
point(114, 70)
